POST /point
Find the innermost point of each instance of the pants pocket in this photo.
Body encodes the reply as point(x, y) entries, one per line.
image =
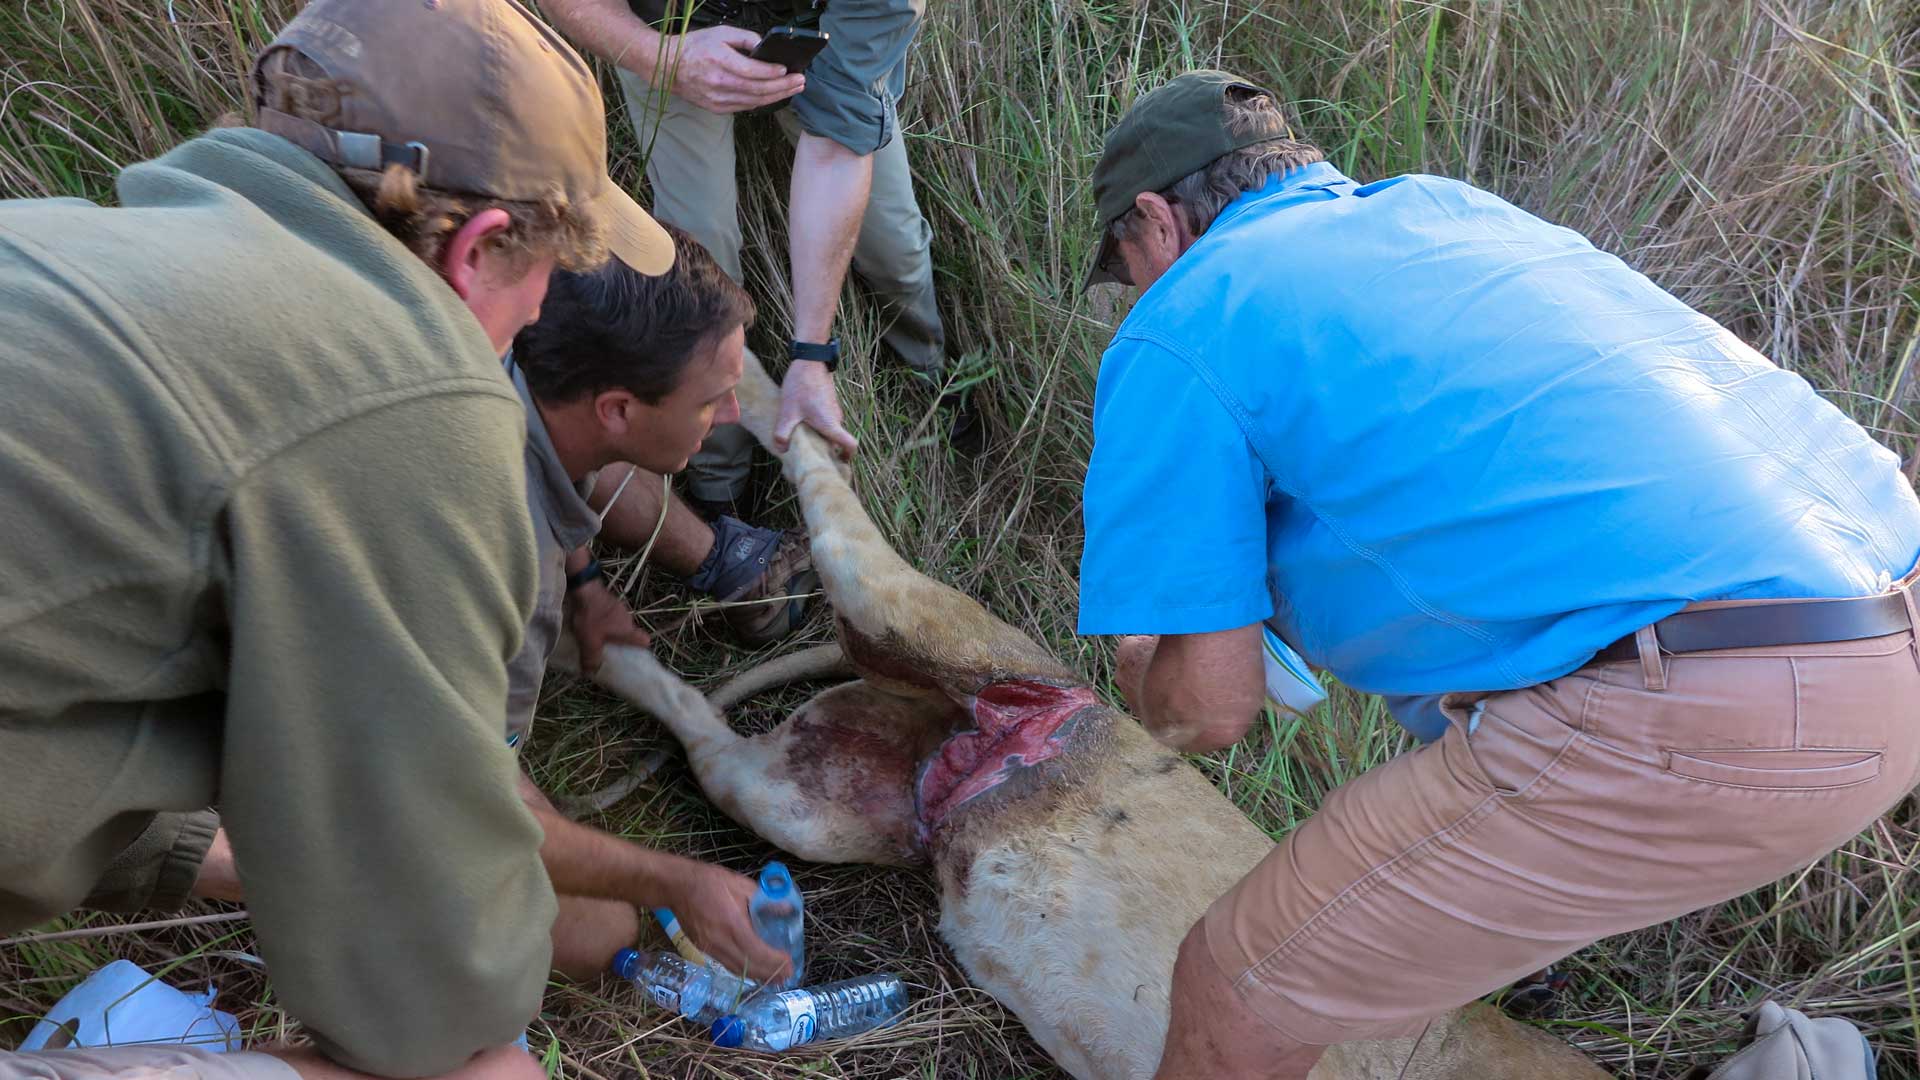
point(1777, 770)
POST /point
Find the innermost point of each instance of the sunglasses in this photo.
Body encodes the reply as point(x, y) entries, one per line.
point(1112, 264)
point(1110, 261)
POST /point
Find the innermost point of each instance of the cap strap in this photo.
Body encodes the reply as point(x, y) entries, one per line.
point(363, 151)
point(349, 149)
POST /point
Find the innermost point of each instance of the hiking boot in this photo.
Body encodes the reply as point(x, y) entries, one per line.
point(765, 577)
point(966, 431)
point(1536, 997)
point(785, 589)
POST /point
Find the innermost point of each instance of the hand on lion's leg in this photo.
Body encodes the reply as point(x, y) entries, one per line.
point(1215, 1036)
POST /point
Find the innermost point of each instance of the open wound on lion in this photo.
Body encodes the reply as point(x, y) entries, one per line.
point(1017, 723)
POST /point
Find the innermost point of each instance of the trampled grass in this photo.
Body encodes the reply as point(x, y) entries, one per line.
point(1761, 160)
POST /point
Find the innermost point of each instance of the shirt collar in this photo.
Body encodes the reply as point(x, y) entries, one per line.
point(1301, 184)
point(1283, 190)
point(573, 522)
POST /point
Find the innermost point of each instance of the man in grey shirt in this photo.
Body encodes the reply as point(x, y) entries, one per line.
point(633, 371)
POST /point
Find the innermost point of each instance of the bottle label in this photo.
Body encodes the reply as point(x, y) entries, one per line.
point(800, 1027)
point(664, 996)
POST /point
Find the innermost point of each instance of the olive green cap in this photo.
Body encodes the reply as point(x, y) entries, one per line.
point(1179, 127)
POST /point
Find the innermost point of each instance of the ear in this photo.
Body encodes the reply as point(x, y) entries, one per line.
point(1160, 222)
point(460, 261)
point(616, 410)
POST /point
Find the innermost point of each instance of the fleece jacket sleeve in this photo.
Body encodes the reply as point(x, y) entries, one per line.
point(381, 571)
point(156, 872)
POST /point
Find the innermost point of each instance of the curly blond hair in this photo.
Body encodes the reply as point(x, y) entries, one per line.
point(424, 218)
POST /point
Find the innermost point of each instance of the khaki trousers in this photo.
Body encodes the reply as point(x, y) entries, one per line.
point(143, 1063)
point(1610, 799)
point(691, 166)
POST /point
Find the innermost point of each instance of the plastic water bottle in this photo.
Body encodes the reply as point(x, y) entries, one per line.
point(776, 913)
point(700, 992)
point(772, 1023)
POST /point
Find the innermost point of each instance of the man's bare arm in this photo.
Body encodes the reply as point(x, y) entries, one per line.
point(709, 68)
point(827, 202)
point(1195, 692)
point(710, 900)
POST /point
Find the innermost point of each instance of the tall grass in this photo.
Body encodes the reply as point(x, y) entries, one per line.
point(1761, 160)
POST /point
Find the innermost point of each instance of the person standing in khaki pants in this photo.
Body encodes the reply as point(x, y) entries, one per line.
point(851, 201)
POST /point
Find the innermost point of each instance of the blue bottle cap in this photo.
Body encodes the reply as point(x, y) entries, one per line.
point(625, 961)
point(728, 1031)
point(775, 882)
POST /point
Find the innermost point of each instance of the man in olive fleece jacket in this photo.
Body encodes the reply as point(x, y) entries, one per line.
point(263, 533)
point(264, 545)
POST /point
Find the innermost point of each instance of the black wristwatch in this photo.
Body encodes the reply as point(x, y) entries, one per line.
point(584, 575)
point(828, 354)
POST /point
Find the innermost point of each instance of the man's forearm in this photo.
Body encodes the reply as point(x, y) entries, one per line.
point(1198, 692)
point(827, 200)
point(583, 861)
point(610, 30)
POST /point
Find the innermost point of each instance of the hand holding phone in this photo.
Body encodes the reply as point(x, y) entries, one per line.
point(791, 47)
point(710, 69)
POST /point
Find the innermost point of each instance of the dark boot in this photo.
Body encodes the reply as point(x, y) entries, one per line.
point(966, 430)
point(764, 576)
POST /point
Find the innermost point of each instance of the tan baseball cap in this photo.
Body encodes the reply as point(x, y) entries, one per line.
point(478, 97)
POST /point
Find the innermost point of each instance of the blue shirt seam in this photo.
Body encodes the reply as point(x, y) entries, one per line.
point(1217, 605)
point(1138, 618)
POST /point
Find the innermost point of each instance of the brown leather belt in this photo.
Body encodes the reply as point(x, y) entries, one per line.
point(1752, 626)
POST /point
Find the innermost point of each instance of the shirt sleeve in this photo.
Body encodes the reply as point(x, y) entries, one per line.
point(1175, 504)
point(853, 84)
point(379, 574)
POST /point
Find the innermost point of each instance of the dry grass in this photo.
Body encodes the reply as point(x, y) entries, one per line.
point(1759, 159)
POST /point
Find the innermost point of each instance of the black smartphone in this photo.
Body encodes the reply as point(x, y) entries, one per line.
point(792, 47)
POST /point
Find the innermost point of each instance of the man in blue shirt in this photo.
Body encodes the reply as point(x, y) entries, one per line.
point(1456, 455)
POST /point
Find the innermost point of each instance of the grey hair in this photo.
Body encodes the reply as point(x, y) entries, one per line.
point(1200, 195)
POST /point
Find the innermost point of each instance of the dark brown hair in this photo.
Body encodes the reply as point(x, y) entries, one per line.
point(615, 327)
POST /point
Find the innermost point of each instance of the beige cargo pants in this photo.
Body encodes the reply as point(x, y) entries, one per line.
point(695, 187)
point(1613, 798)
